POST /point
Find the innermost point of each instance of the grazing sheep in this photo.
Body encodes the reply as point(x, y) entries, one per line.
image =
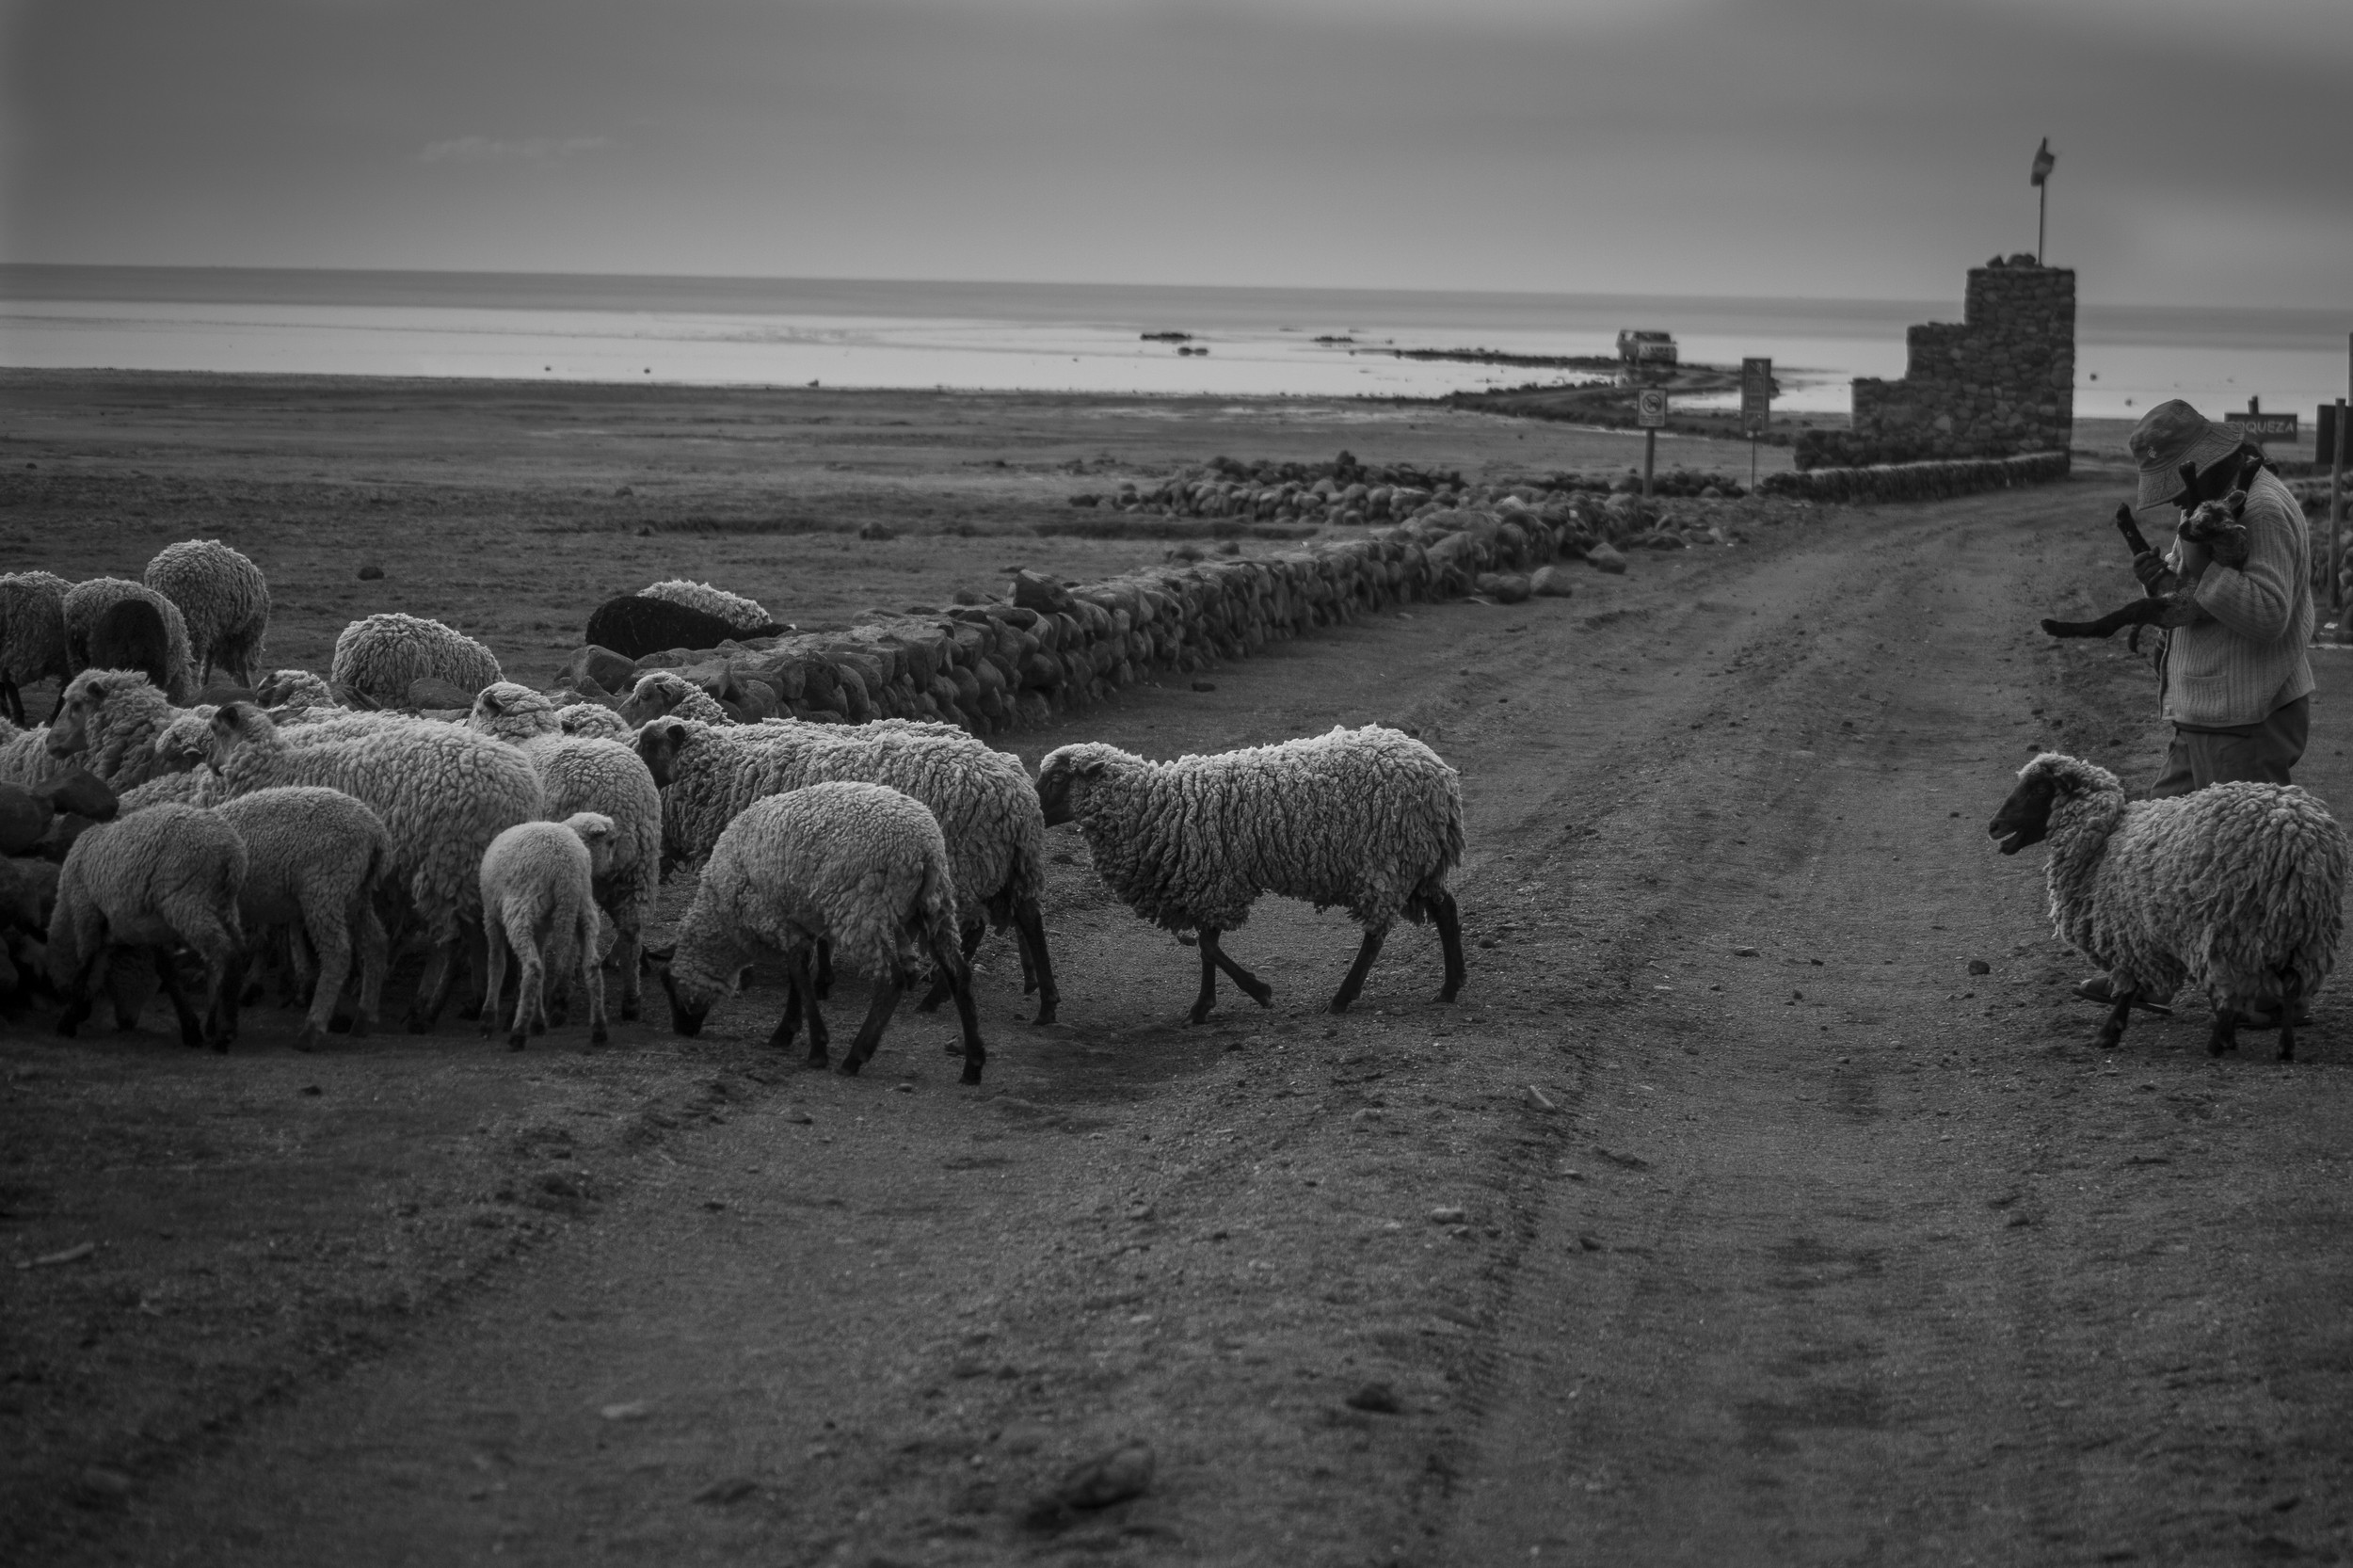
point(131, 636)
point(634, 625)
point(163, 878)
point(109, 720)
point(1371, 820)
point(984, 800)
point(536, 903)
point(290, 691)
point(313, 859)
point(85, 603)
point(579, 773)
point(593, 721)
point(224, 598)
point(745, 615)
point(666, 694)
point(378, 659)
point(2237, 890)
point(858, 867)
point(32, 635)
point(442, 790)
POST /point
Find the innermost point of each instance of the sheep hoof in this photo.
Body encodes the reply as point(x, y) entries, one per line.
point(598, 1035)
point(628, 1011)
point(1045, 1012)
point(850, 1065)
point(308, 1040)
point(517, 1040)
point(972, 1076)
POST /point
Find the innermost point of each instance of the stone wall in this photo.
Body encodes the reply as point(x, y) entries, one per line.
point(2001, 382)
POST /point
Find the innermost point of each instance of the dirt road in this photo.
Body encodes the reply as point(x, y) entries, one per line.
point(1729, 1217)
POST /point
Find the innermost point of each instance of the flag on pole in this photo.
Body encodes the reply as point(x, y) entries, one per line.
point(2044, 160)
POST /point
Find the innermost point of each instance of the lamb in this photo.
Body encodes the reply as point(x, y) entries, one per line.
point(110, 720)
point(537, 902)
point(1367, 819)
point(85, 603)
point(224, 599)
point(162, 878)
point(858, 867)
point(442, 790)
point(666, 694)
point(579, 773)
point(634, 625)
point(376, 660)
point(32, 636)
point(314, 858)
point(981, 797)
point(2214, 524)
point(745, 615)
point(2237, 890)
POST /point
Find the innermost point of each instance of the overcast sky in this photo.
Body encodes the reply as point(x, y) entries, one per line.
point(1837, 148)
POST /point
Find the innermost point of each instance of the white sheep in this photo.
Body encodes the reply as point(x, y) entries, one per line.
point(984, 800)
point(581, 773)
point(314, 859)
point(442, 790)
point(537, 905)
point(593, 721)
point(109, 722)
point(2235, 890)
point(379, 658)
point(290, 691)
point(32, 635)
point(223, 598)
point(1370, 819)
point(166, 877)
point(666, 694)
point(85, 603)
point(859, 868)
point(745, 615)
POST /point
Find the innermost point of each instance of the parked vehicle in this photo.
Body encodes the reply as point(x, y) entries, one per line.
point(1646, 348)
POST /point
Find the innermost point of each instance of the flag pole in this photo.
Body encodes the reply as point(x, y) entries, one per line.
point(2041, 212)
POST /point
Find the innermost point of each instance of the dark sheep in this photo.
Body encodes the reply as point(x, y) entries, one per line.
point(633, 626)
point(131, 636)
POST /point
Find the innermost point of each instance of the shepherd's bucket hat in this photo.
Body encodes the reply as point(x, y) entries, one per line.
point(2169, 435)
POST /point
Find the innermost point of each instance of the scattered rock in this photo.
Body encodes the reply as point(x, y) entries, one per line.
point(1123, 1473)
point(1379, 1398)
point(1605, 557)
point(1504, 588)
point(1744, 952)
point(1538, 1100)
point(71, 1255)
point(101, 1486)
point(630, 1410)
point(876, 531)
point(1205, 686)
point(370, 572)
point(1033, 590)
point(1978, 966)
point(310, 1090)
point(732, 1490)
point(625, 489)
point(1549, 583)
point(1446, 1216)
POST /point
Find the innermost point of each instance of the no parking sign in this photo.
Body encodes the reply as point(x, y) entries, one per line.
point(1650, 410)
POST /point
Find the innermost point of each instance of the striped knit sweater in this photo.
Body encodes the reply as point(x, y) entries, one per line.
point(2250, 658)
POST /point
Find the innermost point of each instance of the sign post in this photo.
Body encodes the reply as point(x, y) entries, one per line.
point(1756, 406)
point(2336, 523)
point(1650, 412)
point(2257, 426)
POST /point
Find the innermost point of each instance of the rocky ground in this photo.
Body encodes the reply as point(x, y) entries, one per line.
point(1733, 1214)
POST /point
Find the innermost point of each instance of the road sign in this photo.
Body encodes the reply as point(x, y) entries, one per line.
point(1650, 410)
point(1756, 396)
point(2262, 427)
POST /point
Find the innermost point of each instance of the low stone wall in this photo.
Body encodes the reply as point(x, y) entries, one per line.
point(1227, 490)
point(1917, 481)
point(993, 667)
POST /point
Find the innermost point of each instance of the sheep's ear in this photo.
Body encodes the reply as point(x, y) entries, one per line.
point(1091, 768)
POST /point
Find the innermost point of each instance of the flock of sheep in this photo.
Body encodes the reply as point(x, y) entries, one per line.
point(332, 823)
point(415, 798)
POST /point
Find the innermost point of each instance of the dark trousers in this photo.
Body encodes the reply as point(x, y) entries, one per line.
point(2250, 753)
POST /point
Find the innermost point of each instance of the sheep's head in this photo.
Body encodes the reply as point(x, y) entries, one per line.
point(2043, 786)
point(655, 694)
point(185, 743)
point(511, 711)
point(1066, 776)
point(686, 1016)
point(595, 831)
point(84, 696)
point(658, 746)
point(233, 726)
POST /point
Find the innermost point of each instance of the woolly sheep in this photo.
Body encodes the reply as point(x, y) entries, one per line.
point(858, 867)
point(981, 797)
point(294, 690)
point(313, 859)
point(442, 790)
point(109, 720)
point(633, 626)
point(166, 877)
point(376, 660)
point(2237, 890)
point(579, 773)
point(32, 635)
point(224, 598)
point(1371, 820)
point(85, 603)
point(666, 694)
point(537, 905)
point(593, 721)
point(745, 615)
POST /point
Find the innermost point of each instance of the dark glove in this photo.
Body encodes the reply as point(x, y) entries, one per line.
point(2149, 567)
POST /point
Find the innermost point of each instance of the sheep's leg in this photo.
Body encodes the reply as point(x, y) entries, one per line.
point(824, 984)
point(805, 984)
point(2224, 1035)
point(1353, 986)
point(374, 958)
point(224, 1009)
point(629, 957)
point(530, 988)
point(592, 979)
point(968, 1017)
point(2119, 1013)
point(494, 974)
point(869, 1033)
point(1208, 999)
point(1442, 913)
point(191, 1027)
point(943, 984)
point(82, 994)
point(432, 987)
point(1028, 926)
point(1255, 990)
point(330, 937)
point(789, 1025)
point(13, 700)
point(477, 997)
